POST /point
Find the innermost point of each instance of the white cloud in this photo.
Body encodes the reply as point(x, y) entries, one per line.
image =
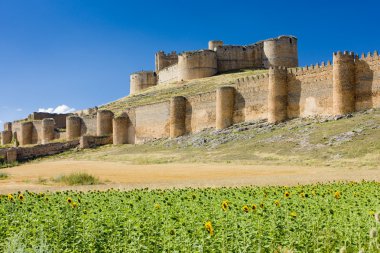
point(1, 121)
point(59, 109)
point(19, 110)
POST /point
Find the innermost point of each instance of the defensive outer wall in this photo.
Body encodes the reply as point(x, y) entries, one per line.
point(350, 83)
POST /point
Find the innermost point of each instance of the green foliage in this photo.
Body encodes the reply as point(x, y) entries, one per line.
point(77, 178)
point(3, 175)
point(312, 218)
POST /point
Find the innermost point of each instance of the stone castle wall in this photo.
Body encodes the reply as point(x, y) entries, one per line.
point(152, 122)
point(168, 74)
point(218, 58)
point(310, 91)
point(367, 81)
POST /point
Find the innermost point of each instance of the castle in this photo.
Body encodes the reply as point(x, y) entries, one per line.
point(219, 58)
point(350, 83)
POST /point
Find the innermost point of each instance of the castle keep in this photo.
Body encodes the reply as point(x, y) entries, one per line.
point(349, 83)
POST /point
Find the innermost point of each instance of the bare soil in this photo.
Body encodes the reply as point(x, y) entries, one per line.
point(37, 176)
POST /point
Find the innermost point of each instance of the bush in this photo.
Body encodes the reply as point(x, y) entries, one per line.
point(3, 175)
point(77, 178)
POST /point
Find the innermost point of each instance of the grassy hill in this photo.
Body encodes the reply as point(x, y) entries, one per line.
point(164, 92)
point(352, 141)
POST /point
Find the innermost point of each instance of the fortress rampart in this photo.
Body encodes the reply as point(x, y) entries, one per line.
point(349, 83)
point(218, 58)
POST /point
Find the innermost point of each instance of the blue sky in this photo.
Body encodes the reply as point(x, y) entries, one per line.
point(80, 53)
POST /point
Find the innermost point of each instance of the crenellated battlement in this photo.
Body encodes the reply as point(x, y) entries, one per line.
point(252, 78)
point(313, 68)
point(368, 56)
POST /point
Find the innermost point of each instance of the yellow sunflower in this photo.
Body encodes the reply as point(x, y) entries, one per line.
point(225, 205)
point(209, 228)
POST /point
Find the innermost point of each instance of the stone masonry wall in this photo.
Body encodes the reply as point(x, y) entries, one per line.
point(310, 90)
point(200, 112)
point(367, 87)
point(251, 98)
point(26, 153)
point(152, 121)
point(168, 74)
point(89, 125)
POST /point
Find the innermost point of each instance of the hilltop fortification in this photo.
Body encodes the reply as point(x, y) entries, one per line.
point(217, 59)
point(280, 91)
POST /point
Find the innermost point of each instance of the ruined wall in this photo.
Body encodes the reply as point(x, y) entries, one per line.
point(94, 141)
point(60, 119)
point(89, 125)
point(310, 90)
point(26, 153)
point(168, 74)
point(152, 121)
point(367, 86)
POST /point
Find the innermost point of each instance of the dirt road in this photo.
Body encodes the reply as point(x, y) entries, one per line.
point(127, 176)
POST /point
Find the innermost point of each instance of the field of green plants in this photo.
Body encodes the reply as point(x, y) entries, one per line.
point(335, 217)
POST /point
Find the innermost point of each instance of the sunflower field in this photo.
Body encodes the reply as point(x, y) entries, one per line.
point(335, 217)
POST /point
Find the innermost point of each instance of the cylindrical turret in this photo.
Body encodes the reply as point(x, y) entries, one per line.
point(142, 80)
point(177, 116)
point(120, 130)
point(198, 64)
point(48, 125)
point(225, 102)
point(6, 137)
point(281, 52)
point(104, 123)
point(26, 133)
point(212, 44)
point(343, 83)
point(73, 127)
point(8, 126)
point(277, 95)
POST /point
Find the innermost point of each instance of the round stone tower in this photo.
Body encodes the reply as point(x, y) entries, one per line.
point(197, 64)
point(142, 80)
point(277, 95)
point(343, 83)
point(73, 127)
point(212, 44)
point(177, 116)
point(48, 125)
point(281, 51)
point(104, 123)
point(225, 101)
point(26, 133)
point(120, 130)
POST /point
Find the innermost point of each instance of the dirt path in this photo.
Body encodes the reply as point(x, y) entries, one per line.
point(126, 176)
